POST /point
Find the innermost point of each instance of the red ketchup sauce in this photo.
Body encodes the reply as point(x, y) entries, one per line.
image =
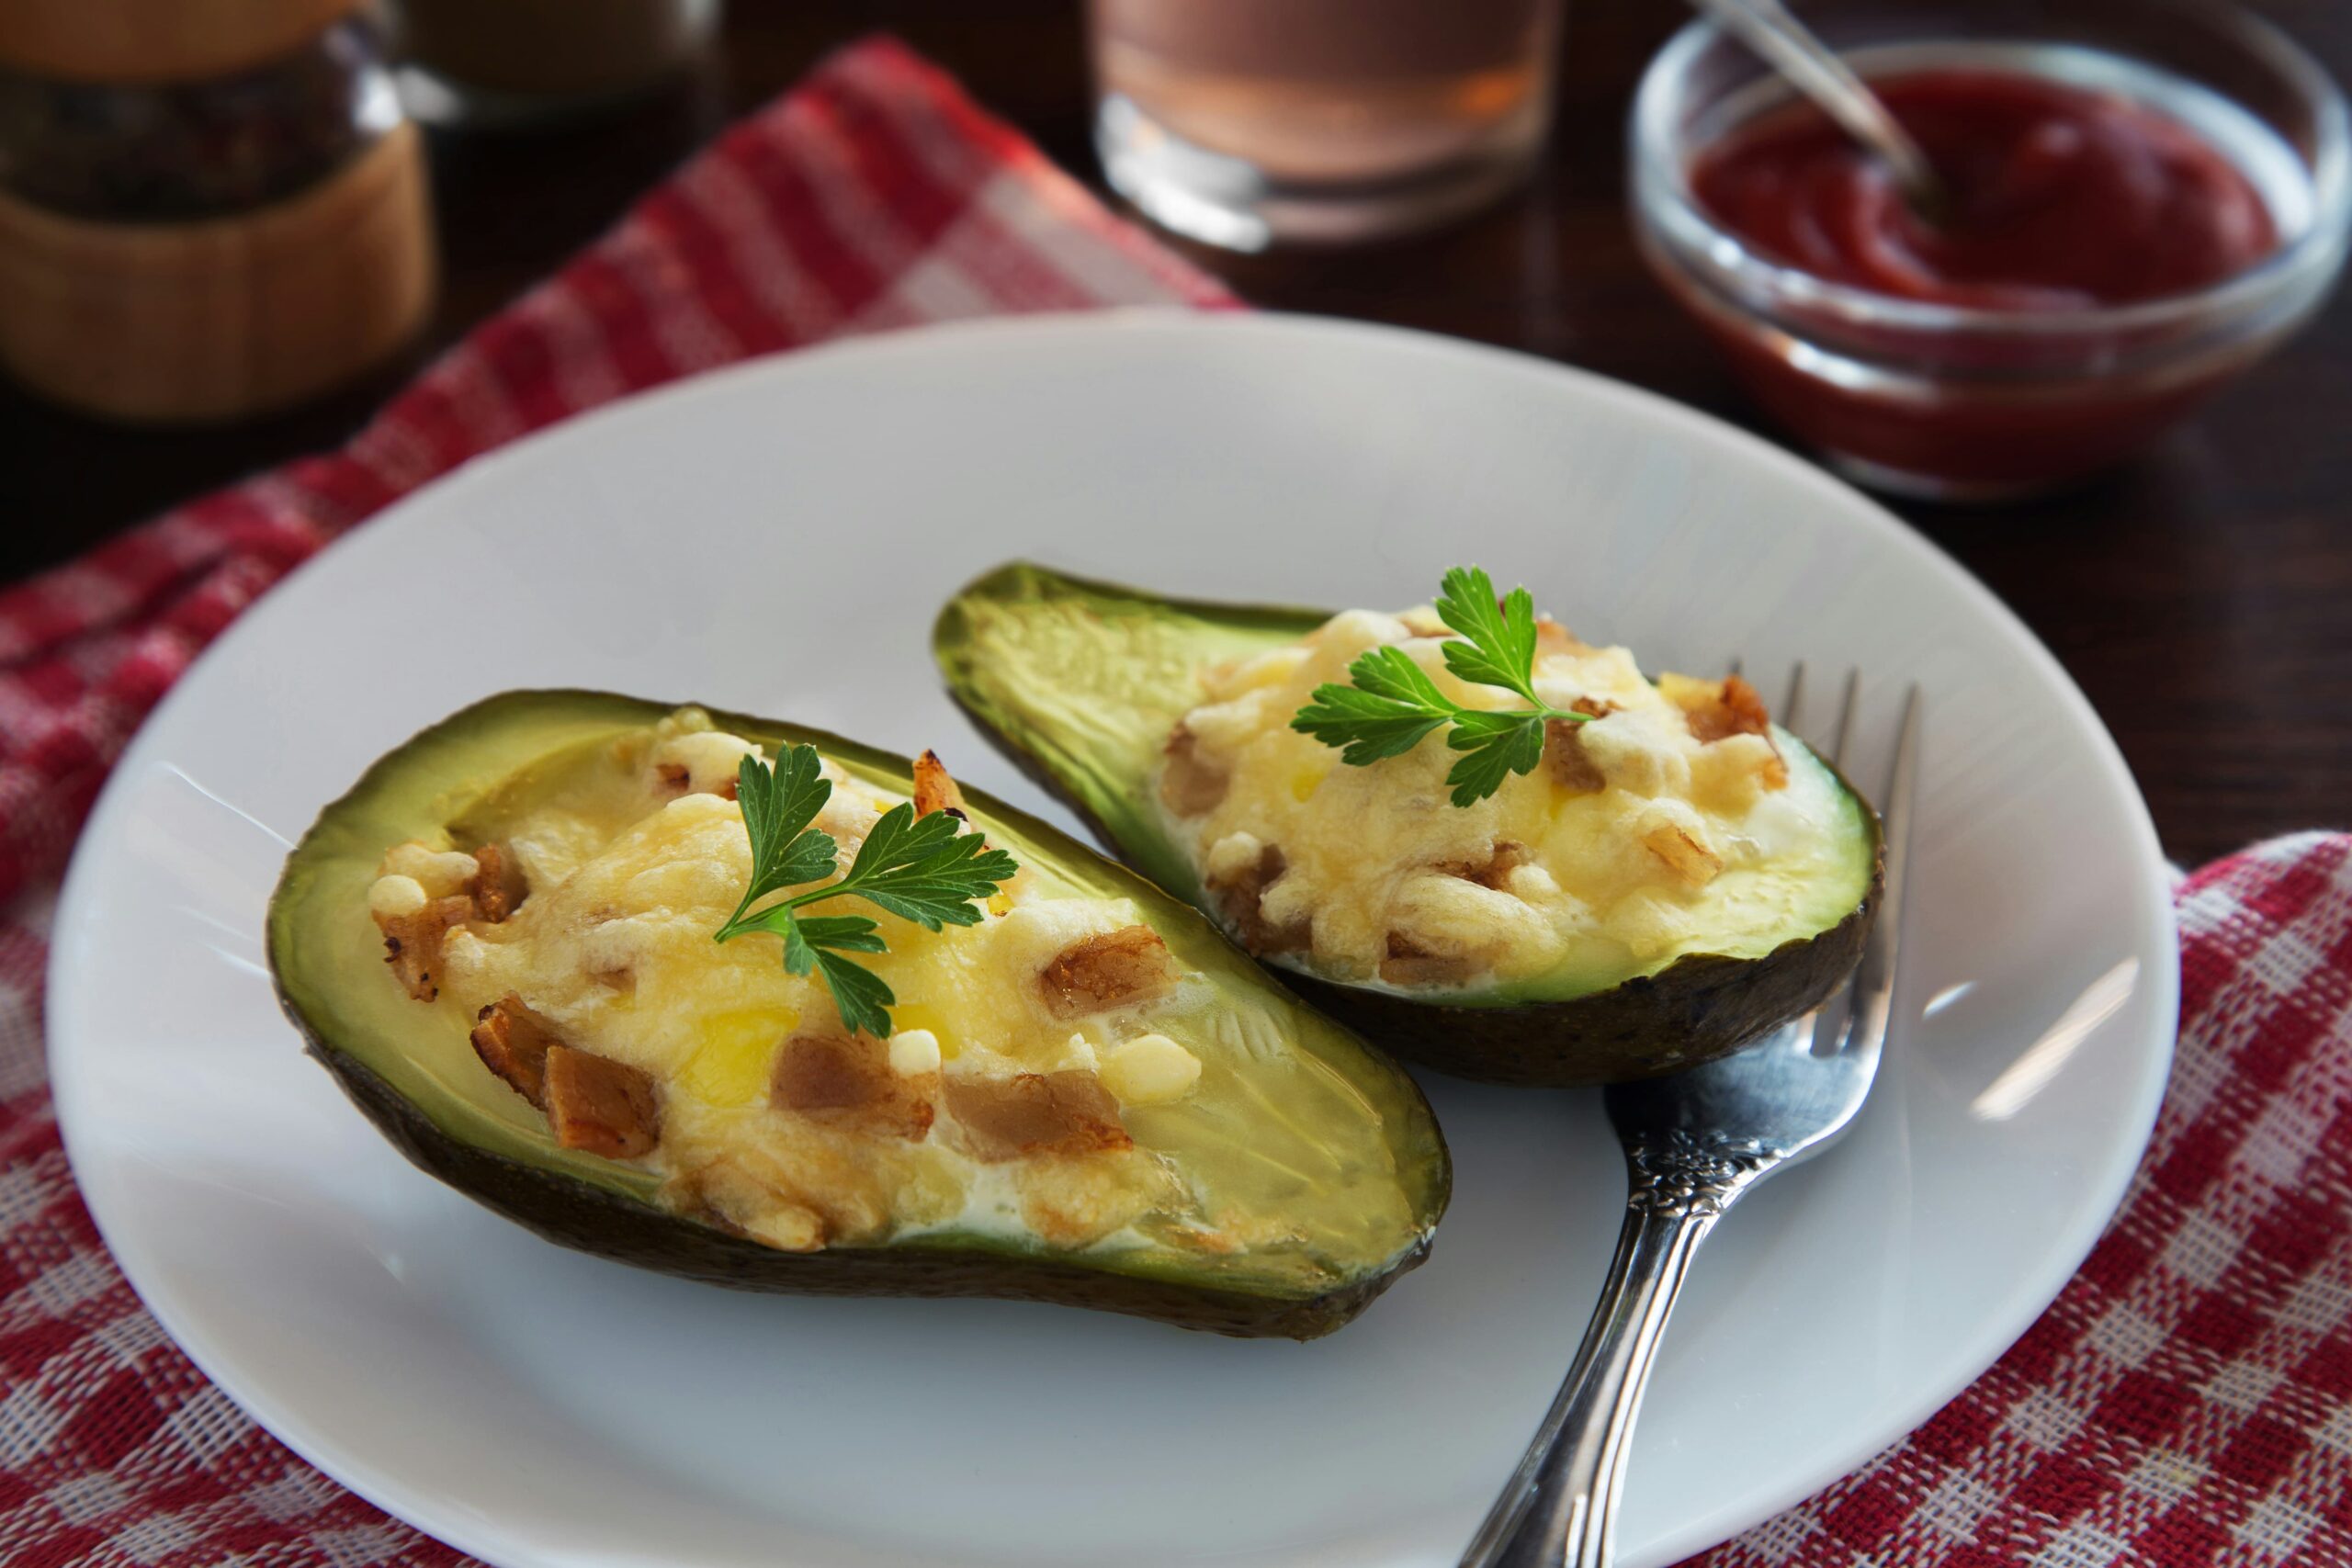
point(2061, 199)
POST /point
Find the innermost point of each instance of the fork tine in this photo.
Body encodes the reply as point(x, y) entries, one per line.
point(1846, 715)
point(1805, 1031)
point(1873, 981)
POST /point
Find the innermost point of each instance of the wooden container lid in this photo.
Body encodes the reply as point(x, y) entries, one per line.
point(138, 42)
point(223, 317)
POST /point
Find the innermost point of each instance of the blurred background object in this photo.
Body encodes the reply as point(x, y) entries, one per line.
point(507, 62)
point(1245, 123)
point(2195, 593)
point(208, 207)
point(2146, 198)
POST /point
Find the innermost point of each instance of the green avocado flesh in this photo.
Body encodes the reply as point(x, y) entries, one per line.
point(1081, 684)
point(1323, 1144)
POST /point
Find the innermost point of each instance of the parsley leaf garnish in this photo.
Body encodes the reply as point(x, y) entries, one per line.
point(1498, 645)
point(1393, 705)
point(923, 869)
point(778, 804)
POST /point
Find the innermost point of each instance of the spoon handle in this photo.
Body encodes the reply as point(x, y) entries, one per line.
point(1766, 26)
point(1560, 1506)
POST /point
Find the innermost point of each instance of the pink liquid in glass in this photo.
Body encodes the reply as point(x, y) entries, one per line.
point(1320, 119)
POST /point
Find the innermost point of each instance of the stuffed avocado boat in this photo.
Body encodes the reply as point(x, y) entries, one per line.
point(512, 943)
point(1492, 847)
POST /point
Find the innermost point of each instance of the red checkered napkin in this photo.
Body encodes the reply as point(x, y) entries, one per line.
point(2184, 1401)
point(874, 195)
point(2187, 1399)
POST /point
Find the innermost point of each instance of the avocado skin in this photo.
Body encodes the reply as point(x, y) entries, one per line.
point(580, 1215)
point(1701, 1007)
point(589, 1219)
point(1698, 1007)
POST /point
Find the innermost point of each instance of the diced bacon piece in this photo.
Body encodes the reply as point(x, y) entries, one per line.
point(1718, 711)
point(1509, 856)
point(1565, 761)
point(1113, 969)
point(1035, 1113)
point(1240, 899)
point(499, 886)
point(512, 1042)
point(413, 942)
point(1714, 709)
point(601, 1106)
point(934, 790)
point(824, 1073)
point(1505, 856)
point(1684, 855)
point(1409, 964)
point(1744, 708)
point(1188, 785)
point(847, 1081)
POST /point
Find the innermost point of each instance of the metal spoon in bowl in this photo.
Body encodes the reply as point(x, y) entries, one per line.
point(1810, 66)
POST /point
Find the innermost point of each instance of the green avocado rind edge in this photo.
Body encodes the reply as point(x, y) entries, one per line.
point(1115, 809)
point(607, 1208)
point(1698, 1006)
point(589, 1218)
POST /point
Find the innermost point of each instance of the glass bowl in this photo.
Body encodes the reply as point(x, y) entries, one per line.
point(1963, 404)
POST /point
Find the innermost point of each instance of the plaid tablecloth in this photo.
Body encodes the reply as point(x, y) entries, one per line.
point(2187, 1401)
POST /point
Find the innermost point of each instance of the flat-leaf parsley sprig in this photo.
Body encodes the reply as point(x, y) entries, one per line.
point(1394, 703)
point(923, 869)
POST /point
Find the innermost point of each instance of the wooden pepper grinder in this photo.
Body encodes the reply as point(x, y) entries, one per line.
point(208, 207)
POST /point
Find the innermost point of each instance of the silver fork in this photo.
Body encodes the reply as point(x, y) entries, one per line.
point(1695, 1143)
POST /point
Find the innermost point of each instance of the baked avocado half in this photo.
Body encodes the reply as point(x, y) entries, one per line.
point(1674, 879)
point(501, 943)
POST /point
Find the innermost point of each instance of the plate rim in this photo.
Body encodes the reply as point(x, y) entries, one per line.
point(481, 1536)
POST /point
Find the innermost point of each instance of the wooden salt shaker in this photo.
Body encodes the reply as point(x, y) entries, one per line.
point(209, 209)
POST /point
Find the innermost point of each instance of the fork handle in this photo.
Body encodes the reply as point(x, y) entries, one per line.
point(1560, 1506)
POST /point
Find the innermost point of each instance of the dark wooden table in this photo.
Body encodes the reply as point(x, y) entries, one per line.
point(2203, 597)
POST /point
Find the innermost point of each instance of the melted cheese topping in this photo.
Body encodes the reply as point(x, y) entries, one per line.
point(612, 948)
point(1642, 844)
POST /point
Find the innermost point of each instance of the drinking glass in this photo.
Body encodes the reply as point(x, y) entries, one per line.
point(486, 63)
point(1243, 123)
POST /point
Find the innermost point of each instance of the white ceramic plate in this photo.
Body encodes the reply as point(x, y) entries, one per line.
point(775, 539)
